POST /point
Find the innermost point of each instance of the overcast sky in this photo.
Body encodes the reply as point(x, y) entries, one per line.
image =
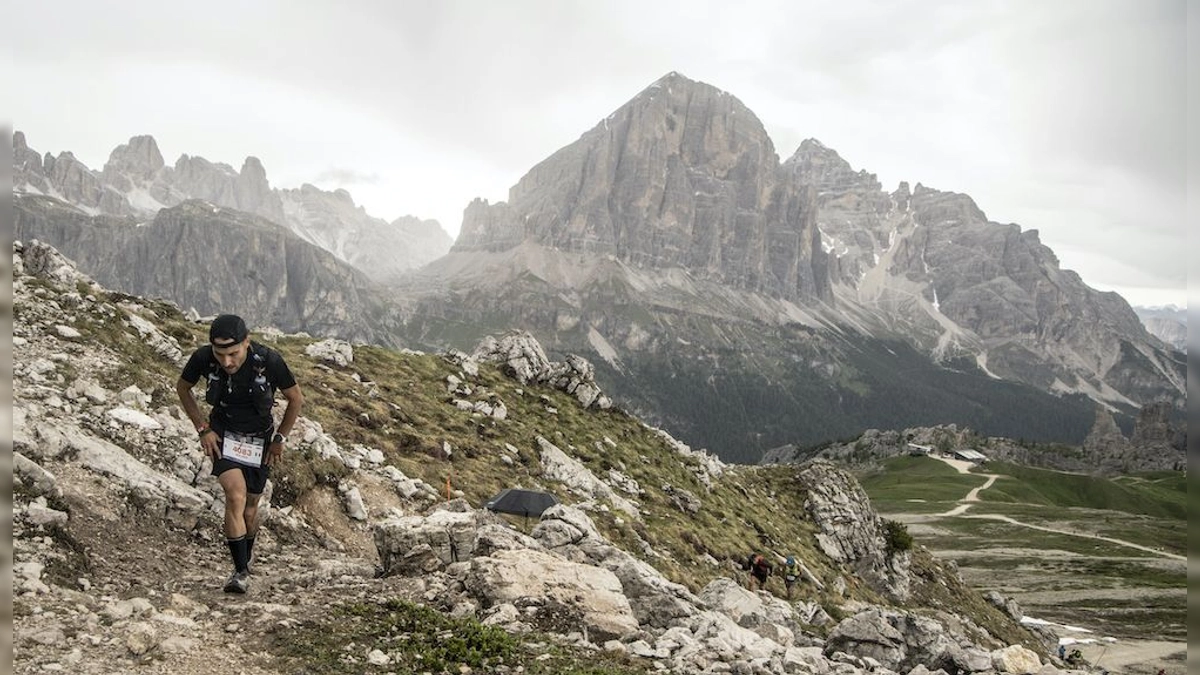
point(1064, 117)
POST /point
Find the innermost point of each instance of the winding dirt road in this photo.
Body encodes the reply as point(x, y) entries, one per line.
point(973, 496)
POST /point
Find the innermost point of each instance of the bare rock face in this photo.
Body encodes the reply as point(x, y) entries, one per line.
point(1106, 438)
point(852, 211)
point(1039, 322)
point(247, 190)
point(380, 249)
point(137, 171)
point(78, 185)
point(1168, 324)
point(235, 263)
point(930, 263)
point(683, 175)
point(850, 530)
point(140, 158)
point(1159, 441)
point(27, 166)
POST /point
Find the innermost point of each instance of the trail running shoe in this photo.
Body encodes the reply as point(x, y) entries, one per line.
point(238, 583)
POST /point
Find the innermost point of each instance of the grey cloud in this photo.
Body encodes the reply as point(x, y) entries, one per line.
point(343, 176)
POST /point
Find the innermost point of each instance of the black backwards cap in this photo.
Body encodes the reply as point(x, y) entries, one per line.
point(228, 327)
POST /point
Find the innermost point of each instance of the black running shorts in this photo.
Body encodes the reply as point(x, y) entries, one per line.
point(256, 476)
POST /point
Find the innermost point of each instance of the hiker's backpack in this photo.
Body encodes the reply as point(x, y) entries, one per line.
point(262, 390)
point(791, 571)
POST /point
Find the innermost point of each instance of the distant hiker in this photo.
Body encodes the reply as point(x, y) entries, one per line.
point(1062, 652)
point(760, 569)
point(240, 433)
point(791, 574)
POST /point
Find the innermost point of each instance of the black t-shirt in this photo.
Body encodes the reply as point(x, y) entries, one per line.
point(239, 408)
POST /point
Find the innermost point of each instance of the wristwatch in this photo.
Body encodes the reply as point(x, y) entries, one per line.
point(278, 438)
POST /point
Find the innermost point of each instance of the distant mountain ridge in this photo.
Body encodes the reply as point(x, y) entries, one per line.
point(137, 182)
point(930, 265)
point(682, 176)
point(1168, 324)
point(263, 272)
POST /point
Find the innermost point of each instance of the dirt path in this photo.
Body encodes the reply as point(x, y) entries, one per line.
point(1011, 521)
point(972, 496)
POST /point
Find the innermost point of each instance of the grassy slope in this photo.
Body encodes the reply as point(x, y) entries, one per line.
point(908, 484)
point(1159, 495)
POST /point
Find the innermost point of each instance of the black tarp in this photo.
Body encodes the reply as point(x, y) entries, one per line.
point(521, 502)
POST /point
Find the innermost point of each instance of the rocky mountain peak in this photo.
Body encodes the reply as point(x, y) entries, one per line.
point(681, 176)
point(674, 84)
point(811, 148)
point(252, 169)
point(139, 158)
point(938, 205)
point(817, 164)
point(681, 108)
point(27, 165)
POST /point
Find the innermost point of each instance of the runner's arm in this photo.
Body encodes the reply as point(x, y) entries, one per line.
point(295, 400)
point(208, 441)
point(192, 409)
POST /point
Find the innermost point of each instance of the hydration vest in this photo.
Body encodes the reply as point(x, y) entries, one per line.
point(262, 391)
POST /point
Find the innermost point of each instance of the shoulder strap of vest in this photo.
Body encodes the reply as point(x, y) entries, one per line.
point(260, 355)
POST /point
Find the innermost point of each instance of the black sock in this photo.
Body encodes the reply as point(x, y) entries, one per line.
point(249, 547)
point(238, 551)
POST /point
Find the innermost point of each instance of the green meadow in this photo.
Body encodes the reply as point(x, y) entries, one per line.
point(1113, 588)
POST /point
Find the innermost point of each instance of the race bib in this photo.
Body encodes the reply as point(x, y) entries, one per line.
point(242, 449)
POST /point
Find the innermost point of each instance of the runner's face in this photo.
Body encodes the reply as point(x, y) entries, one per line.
point(231, 356)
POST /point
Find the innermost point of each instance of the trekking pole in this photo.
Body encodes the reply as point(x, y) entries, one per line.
point(1097, 661)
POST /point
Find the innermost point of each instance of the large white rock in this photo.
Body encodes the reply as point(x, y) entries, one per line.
point(546, 581)
point(181, 503)
point(728, 597)
point(337, 352)
point(410, 545)
point(558, 465)
point(1016, 659)
point(134, 418)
